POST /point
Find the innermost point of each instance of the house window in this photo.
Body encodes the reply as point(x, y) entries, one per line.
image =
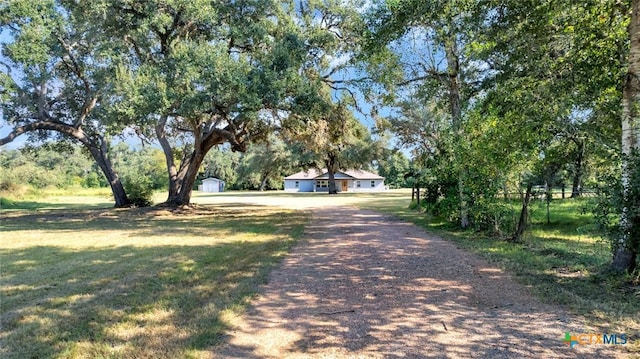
point(297, 184)
point(373, 183)
point(322, 184)
point(357, 184)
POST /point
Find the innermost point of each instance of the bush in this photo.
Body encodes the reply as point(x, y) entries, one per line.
point(139, 189)
point(495, 216)
point(91, 180)
point(9, 185)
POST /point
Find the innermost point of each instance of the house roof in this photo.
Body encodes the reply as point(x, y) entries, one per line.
point(313, 173)
point(360, 174)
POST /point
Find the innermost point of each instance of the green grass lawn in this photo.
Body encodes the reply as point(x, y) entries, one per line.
point(51, 198)
point(131, 283)
point(562, 262)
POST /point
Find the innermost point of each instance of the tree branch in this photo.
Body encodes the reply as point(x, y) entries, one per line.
point(89, 101)
point(327, 80)
point(351, 94)
point(74, 67)
point(44, 125)
point(8, 68)
point(431, 74)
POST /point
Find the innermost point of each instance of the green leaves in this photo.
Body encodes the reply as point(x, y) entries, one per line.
point(33, 24)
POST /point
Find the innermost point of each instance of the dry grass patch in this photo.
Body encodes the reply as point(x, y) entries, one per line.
point(133, 283)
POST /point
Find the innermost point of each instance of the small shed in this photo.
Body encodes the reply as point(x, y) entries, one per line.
point(212, 185)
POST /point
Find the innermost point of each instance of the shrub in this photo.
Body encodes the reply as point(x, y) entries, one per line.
point(139, 189)
point(495, 216)
point(91, 180)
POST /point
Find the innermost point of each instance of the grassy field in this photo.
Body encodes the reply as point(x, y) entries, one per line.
point(82, 281)
point(79, 198)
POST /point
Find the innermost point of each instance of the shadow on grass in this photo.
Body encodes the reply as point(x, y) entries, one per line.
point(152, 221)
point(6, 204)
point(565, 272)
point(125, 298)
point(160, 301)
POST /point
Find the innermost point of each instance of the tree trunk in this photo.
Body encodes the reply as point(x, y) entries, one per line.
point(331, 164)
point(505, 189)
point(453, 67)
point(548, 199)
point(576, 186)
point(168, 156)
point(185, 180)
point(182, 180)
point(524, 215)
point(625, 253)
point(263, 180)
point(99, 154)
point(464, 211)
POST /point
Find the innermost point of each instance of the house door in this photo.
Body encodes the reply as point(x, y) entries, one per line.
point(344, 186)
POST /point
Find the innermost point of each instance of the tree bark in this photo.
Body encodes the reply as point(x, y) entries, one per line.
point(576, 186)
point(332, 168)
point(524, 215)
point(625, 252)
point(453, 67)
point(182, 182)
point(168, 155)
point(99, 153)
point(187, 179)
point(263, 180)
point(549, 197)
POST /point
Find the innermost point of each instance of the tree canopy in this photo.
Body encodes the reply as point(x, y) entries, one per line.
point(56, 72)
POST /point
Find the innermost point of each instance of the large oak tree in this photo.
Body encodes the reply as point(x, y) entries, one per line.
point(202, 73)
point(56, 73)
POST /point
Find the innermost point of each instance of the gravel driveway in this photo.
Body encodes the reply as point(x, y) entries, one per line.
point(365, 285)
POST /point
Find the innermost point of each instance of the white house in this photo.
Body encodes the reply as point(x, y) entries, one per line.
point(211, 185)
point(313, 180)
